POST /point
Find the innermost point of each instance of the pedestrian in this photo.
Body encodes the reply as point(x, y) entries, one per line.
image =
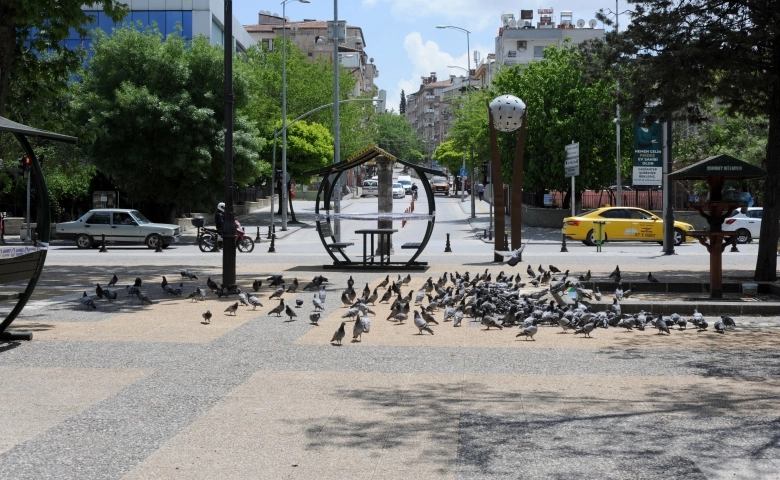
point(480, 191)
point(63, 217)
point(79, 213)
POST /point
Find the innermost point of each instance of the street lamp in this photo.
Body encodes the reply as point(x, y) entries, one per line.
point(468, 76)
point(285, 191)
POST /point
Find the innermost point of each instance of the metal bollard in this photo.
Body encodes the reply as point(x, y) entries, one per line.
point(272, 248)
point(103, 243)
point(157, 249)
point(490, 235)
point(447, 248)
point(506, 242)
point(257, 237)
point(734, 245)
point(269, 233)
point(563, 244)
point(484, 233)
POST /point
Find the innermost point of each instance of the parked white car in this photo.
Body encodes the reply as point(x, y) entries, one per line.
point(747, 225)
point(120, 227)
point(370, 187)
point(398, 191)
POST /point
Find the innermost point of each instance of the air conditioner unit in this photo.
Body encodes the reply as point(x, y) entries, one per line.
point(522, 44)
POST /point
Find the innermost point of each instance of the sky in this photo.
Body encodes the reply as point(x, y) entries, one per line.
point(402, 38)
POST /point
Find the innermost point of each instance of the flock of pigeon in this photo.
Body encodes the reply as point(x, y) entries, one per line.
point(498, 303)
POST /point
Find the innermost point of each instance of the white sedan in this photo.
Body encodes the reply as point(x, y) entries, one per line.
point(747, 225)
point(398, 191)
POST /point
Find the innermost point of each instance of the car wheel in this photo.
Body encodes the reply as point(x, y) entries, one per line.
point(84, 241)
point(153, 240)
point(679, 237)
point(743, 236)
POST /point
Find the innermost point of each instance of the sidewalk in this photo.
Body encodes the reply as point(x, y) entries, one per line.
point(481, 224)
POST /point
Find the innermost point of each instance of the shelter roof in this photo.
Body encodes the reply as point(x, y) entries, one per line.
point(722, 165)
point(7, 125)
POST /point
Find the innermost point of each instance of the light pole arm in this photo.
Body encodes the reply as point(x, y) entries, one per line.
point(321, 107)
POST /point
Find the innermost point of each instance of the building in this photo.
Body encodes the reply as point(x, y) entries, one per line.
point(522, 41)
point(311, 37)
point(195, 17)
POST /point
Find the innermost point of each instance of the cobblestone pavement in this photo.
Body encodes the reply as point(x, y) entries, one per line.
point(138, 392)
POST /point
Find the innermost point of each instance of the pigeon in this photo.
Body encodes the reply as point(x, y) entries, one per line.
point(188, 275)
point(530, 271)
point(372, 298)
point(278, 309)
point(277, 293)
point(554, 269)
point(420, 296)
point(421, 324)
point(255, 302)
point(458, 317)
point(651, 278)
point(489, 321)
point(407, 279)
point(88, 302)
point(529, 332)
point(290, 313)
point(99, 291)
point(366, 323)
point(661, 325)
point(318, 305)
point(314, 318)
point(366, 291)
point(350, 281)
point(339, 335)
point(298, 303)
point(728, 321)
point(212, 285)
point(564, 323)
point(109, 294)
point(627, 293)
point(587, 276)
point(384, 282)
point(357, 331)
point(276, 280)
point(514, 255)
point(143, 298)
point(345, 300)
point(615, 272)
point(293, 286)
point(113, 281)
point(322, 293)
point(597, 294)
point(206, 316)
point(232, 309)
point(242, 298)
point(719, 326)
point(164, 282)
point(401, 317)
point(137, 282)
point(586, 329)
point(619, 292)
point(257, 284)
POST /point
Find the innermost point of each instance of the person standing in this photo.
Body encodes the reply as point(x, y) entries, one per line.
point(480, 191)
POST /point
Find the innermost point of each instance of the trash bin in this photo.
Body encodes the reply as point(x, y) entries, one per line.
point(197, 222)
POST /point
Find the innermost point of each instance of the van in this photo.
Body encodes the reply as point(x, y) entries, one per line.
point(406, 181)
point(370, 187)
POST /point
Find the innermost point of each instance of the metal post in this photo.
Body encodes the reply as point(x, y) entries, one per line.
point(447, 247)
point(471, 172)
point(573, 197)
point(667, 191)
point(27, 174)
point(463, 180)
point(600, 239)
point(103, 243)
point(563, 243)
point(272, 247)
point(336, 119)
point(229, 229)
point(257, 237)
point(619, 186)
point(273, 178)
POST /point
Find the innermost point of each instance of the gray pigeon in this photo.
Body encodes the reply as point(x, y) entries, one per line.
point(597, 294)
point(619, 292)
point(277, 309)
point(109, 294)
point(489, 321)
point(357, 331)
point(529, 332)
point(720, 327)
point(277, 293)
point(290, 312)
point(514, 255)
point(242, 298)
point(372, 298)
point(586, 329)
point(661, 325)
point(421, 324)
point(366, 323)
point(323, 293)
point(651, 278)
point(232, 309)
point(339, 335)
point(206, 316)
point(427, 316)
point(728, 322)
point(255, 302)
point(314, 318)
point(345, 301)
point(458, 317)
point(113, 281)
point(143, 298)
point(317, 303)
point(293, 286)
point(401, 317)
point(88, 302)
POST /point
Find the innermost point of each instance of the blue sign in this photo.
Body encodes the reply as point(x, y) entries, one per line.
point(464, 172)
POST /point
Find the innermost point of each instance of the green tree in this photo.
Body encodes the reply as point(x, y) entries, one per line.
point(396, 136)
point(152, 116)
point(449, 156)
point(562, 106)
point(677, 55)
point(402, 104)
point(469, 132)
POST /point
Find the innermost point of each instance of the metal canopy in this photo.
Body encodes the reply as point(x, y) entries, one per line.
point(725, 166)
point(365, 156)
point(14, 127)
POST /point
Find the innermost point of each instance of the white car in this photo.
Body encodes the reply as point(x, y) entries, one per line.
point(120, 227)
point(398, 191)
point(747, 225)
point(370, 187)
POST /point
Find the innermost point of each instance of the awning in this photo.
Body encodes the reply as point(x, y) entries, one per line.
point(14, 127)
point(724, 166)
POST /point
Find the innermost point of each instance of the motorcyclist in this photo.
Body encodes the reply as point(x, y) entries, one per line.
point(219, 217)
point(414, 190)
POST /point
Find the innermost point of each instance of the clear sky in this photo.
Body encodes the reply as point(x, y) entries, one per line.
point(402, 38)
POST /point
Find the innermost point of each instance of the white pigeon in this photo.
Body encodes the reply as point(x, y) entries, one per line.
point(318, 305)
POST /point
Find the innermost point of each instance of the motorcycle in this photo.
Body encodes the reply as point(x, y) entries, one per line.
point(210, 240)
point(414, 193)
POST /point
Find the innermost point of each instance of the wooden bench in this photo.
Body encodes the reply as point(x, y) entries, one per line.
point(327, 231)
point(411, 245)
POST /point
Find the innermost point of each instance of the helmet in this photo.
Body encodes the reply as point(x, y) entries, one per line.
point(221, 206)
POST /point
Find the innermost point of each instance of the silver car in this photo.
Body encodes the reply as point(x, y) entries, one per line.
point(120, 227)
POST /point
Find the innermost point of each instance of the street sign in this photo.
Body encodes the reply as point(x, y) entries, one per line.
point(464, 172)
point(572, 164)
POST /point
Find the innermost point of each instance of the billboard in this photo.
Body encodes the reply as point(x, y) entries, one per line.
point(526, 14)
point(648, 159)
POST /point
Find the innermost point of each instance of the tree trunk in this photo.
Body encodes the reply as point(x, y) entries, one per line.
point(566, 203)
point(766, 262)
point(291, 209)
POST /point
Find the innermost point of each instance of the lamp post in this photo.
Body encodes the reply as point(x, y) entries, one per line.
point(229, 228)
point(468, 76)
point(463, 165)
point(336, 116)
point(285, 191)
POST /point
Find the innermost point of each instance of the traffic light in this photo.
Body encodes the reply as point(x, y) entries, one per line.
point(25, 164)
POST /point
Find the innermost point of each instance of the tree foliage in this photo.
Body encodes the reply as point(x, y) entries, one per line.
point(402, 104)
point(309, 146)
point(396, 136)
point(152, 114)
point(675, 56)
point(469, 131)
point(448, 155)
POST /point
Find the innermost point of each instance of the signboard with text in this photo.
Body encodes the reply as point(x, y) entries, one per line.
point(572, 162)
point(648, 159)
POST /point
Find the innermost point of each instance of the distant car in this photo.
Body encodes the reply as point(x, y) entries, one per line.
point(406, 181)
point(747, 225)
point(398, 191)
point(120, 227)
point(622, 223)
point(370, 187)
point(440, 185)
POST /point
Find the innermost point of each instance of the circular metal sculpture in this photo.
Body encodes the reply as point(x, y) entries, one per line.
point(507, 111)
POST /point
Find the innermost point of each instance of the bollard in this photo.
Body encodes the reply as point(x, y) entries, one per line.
point(257, 237)
point(447, 248)
point(272, 248)
point(103, 243)
point(506, 242)
point(600, 240)
point(490, 235)
point(269, 233)
point(563, 244)
point(484, 233)
point(734, 245)
point(157, 249)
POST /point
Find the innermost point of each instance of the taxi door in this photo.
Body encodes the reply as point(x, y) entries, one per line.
point(645, 226)
point(617, 223)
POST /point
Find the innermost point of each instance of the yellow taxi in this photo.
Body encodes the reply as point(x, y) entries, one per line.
point(622, 224)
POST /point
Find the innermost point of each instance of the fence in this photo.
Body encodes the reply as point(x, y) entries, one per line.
point(590, 199)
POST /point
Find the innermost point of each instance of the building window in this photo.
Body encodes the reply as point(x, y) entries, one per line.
point(539, 51)
point(511, 53)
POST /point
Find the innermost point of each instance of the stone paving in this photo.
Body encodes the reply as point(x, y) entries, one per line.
point(140, 392)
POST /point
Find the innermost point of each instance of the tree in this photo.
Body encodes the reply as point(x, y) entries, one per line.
point(32, 48)
point(396, 136)
point(469, 132)
point(449, 156)
point(152, 116)
point(676, 55)
point(402, 105)
point(562, 106)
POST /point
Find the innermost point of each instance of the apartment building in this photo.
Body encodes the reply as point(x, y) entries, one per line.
point(311, 37)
